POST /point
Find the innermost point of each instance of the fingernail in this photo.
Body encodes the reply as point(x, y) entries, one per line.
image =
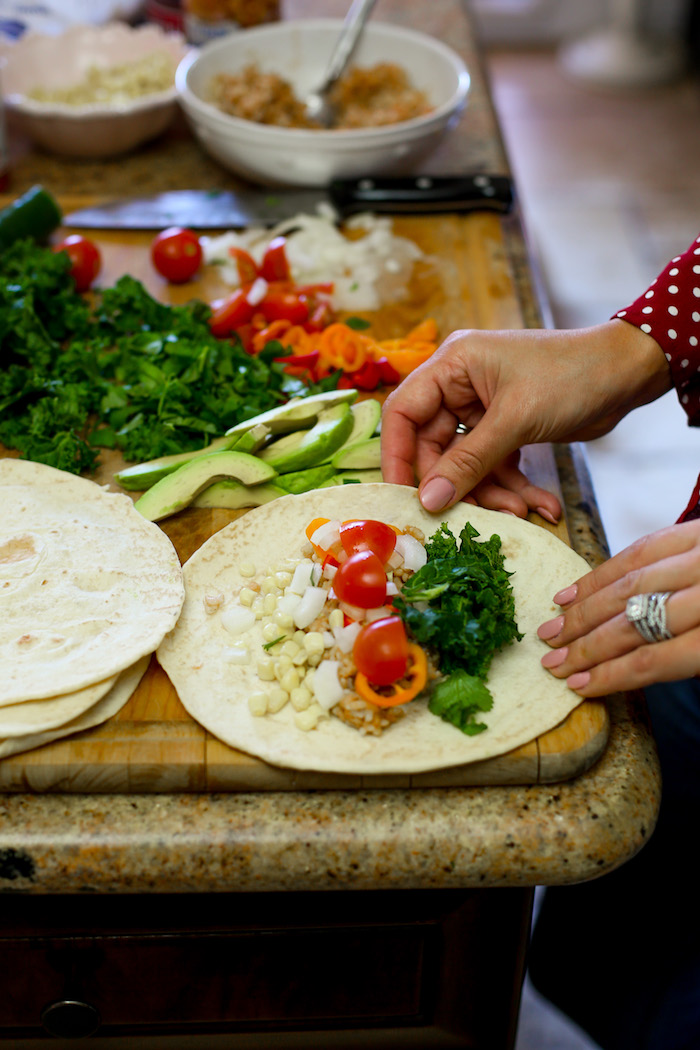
point(554, 658)
point(566, 596)
point(437, 493)
point(547, 515)
point(578, 680)
point(550, 629)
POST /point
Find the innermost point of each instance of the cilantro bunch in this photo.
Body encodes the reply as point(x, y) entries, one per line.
point(460, 606)
point(122, 371)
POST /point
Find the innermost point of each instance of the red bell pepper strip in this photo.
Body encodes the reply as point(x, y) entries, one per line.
point(368, 376)
point(274, 266)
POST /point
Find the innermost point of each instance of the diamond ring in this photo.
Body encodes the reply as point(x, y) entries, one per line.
point(647, 612)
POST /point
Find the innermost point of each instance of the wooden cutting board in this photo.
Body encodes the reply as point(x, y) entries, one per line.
point(153, 744)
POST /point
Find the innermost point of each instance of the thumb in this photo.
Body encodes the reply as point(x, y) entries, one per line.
point(467, 462)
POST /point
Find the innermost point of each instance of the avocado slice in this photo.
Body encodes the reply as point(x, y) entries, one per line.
point(362, 455)
point(350, 477)
point(178, 489)
point(303, 480)
point(233, 495)
point(366, 416)
point(308, 448)
point(297, 414)
point(142, 475)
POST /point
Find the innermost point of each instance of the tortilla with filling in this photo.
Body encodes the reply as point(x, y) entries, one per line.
point(528, 700)
point(110, 704)
point(87, 585)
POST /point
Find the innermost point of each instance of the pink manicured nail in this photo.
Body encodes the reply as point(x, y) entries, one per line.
point(550, 629)
point(437, 493)
point(566, 596)
point(554, 658)
point(547, 515)
point(578, 680)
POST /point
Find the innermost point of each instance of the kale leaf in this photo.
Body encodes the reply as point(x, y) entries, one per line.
point(460, 606)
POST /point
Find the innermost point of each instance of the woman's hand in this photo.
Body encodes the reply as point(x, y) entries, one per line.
point(597, 650)
point(455, 421)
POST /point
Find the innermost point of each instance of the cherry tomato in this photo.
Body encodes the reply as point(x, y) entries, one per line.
point(274, 266)
point(176, 254)
point(231, 314)
point(367, 534)
point(281, 304)
point(381, 650)
point(84, 257)
point(245, 264)
point(361, 581)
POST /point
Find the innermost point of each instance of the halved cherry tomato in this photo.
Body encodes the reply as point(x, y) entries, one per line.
point(230, 314)
point(84, 257)
point(387, 371)
point(281, 304)
point(361, 581)
point(380, 651)
point(245, 264)
point(367, 534)
point(274, 266)
point(176, 254)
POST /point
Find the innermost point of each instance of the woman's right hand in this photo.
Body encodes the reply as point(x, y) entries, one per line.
point(508, 389)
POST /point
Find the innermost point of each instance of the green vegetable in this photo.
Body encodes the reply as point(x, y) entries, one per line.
point(129, 373)
point(35, 214)
point(466, 614)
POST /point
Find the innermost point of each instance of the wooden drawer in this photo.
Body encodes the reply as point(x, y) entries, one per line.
point(450, 963)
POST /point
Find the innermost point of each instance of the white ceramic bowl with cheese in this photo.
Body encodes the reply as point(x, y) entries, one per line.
point(91, 129)
point(299, 52)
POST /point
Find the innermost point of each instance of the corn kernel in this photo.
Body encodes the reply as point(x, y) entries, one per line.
point(283, 579)
point(290, 648)
point(309, 718)
point(300, 698)
point(269, 604)
point(246, 597)
point(313, 642)
point(281, 665)
point(257, 704)
point(269, 586)
point(266, 669)
point(336, 618)
point(246, 568)
point(276, 699)
point(290, 680)
point(258, 608)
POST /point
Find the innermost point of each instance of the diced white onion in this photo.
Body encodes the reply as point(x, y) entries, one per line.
point(378, 614)
point(288, 601)
point(237, 619)
point(329, 571)
point(310, 606)
point(257, 291)
point(391, 588)
point(326, 684)
point(301, 578)
point(345, 636)
point(413, 552)
point(395, 559)
point(327, 535)
point(353, 611)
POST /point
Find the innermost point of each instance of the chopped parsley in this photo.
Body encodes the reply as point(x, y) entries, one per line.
point(460, 606)
point(119, 371)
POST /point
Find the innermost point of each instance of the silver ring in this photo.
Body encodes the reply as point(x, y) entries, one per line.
point(647, 612)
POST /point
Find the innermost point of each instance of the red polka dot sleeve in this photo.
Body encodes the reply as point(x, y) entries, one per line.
point(669, 311)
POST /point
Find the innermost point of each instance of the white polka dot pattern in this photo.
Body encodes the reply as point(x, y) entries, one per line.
point(674, 294)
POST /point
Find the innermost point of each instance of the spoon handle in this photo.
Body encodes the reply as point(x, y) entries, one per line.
point(353, 25)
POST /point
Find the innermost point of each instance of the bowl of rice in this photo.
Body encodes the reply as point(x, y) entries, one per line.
point(242, 95)
point(92, 91)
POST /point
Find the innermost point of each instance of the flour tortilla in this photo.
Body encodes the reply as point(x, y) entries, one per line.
point(37, 715)
point(111, 703)
point(527, 699)
point(87, 585)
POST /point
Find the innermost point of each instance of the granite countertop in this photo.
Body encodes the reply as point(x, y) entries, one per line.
point(362, 840)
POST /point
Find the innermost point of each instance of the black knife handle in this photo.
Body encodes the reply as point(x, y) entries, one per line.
point(423, 193)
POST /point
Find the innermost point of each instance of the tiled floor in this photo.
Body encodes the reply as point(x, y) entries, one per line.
point(610, 188)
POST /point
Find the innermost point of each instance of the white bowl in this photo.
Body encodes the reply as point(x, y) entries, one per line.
point(96, 130)
point(299, 52)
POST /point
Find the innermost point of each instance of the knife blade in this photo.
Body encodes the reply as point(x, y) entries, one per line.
point(237, 209)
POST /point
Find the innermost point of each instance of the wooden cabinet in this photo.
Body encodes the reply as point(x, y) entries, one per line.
point(443, 968)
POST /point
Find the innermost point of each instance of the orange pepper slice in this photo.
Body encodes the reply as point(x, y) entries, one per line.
point(406, 359)
point(425, 332)
point(310, 530)
point(343, 347)
point(417, 672)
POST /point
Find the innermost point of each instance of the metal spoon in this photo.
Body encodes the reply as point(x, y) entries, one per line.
point(317, 106)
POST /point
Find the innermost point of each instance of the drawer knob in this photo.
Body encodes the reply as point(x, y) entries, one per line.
point(70, 1018)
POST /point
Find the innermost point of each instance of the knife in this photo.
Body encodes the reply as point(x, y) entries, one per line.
point(229, 209)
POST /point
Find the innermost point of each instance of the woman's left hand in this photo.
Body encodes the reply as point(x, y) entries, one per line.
point(597, 650)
